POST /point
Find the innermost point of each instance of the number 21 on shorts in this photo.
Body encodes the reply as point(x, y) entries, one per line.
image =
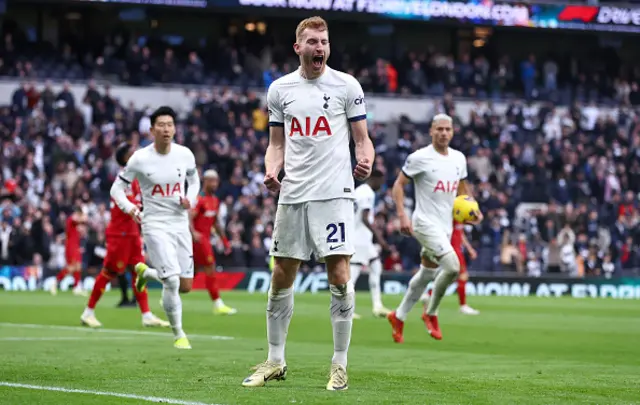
point(333, 230)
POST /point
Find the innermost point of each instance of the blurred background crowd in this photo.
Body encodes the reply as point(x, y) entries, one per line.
point(559, 186)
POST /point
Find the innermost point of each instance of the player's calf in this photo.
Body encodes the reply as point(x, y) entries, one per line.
point(449, 270)
point(284, 272)
point(186, 285)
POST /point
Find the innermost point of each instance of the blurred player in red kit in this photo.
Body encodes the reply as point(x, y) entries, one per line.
point(458, 241)
point(72, 251)
point(124, 251)
point(204, 217)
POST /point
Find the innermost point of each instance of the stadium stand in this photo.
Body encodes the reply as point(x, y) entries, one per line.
point(559, 186)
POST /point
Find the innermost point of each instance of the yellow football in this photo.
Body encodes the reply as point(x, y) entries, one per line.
point(465, 209)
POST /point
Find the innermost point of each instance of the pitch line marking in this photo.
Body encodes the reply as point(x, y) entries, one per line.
point(115, 331)
point(101, 393)
point(58, 338)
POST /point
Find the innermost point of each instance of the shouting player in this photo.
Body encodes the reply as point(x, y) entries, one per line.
point(161, 169)
point(73, 252)
point(124, 251)
point(438, 173)
point(204, 217)
point(458, 241)
point(312, 111)
point(366, 255)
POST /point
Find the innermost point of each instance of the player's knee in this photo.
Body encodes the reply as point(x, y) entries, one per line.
point(341, 291)
point(450, 262)
point(338, 271)
point(464, 276)
point(171, 284)
point(284, 272)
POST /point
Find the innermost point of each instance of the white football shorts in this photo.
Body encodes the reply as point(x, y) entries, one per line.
point(170, 252)
point(364, 253)
point(322, 228)
point(435, 241)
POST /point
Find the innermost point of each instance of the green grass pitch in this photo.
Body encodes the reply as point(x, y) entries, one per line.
point(518, 351)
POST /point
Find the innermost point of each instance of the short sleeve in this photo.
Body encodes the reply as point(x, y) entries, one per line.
point(274, 106)
point(366, 201)
point(356, 107)
point(130, 171)
point(411, 166)
point(463, 171)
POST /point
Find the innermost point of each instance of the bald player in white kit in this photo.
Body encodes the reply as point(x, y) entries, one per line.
point(438, 173)
point(312, 112)
point(163, 169)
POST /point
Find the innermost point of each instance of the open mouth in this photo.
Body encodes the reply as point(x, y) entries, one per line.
point(317, 61)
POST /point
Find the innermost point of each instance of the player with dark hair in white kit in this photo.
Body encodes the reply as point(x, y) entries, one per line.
point(312, 113)
point(162, 169)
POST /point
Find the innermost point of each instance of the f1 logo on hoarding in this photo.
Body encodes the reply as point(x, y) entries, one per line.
point(585, 14)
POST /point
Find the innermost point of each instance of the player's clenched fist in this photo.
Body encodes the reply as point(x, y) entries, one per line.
point(405, 225)
point(362, 170)
point(271, 182)
point(185, 203)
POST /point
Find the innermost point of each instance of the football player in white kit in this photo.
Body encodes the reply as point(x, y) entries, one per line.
point(162, 169)
point(438, 173)
point(367, 256)
point(312, 112)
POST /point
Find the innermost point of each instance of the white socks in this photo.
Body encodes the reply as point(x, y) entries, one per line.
point(151, 274)
point(450, 266)
point(342, 309)
point(375, 270)
point(172, 304)
point(417, 285)
point(279, 312)
point(355, 272)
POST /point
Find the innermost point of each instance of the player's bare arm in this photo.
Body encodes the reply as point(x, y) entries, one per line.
point(365, 153)
point(467, 246)
point(219, 228)
point(195, 234)
point(464, 189)
point(375, 231)
point(397, 192)
point(274, 158)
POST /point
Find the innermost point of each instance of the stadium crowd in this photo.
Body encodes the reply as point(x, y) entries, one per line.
point(584, 166)
point(256, 60)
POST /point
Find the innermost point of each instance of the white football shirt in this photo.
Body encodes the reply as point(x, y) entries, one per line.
point(435, 178)
point(163, 179)
point(316, 116)
point(364, 200)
